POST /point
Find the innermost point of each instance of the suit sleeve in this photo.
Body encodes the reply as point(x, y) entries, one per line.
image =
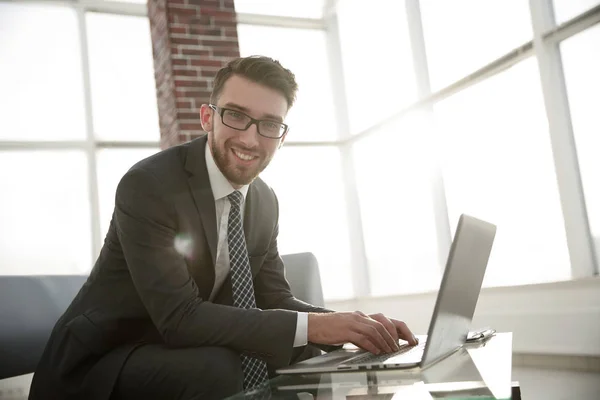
point(146, 227)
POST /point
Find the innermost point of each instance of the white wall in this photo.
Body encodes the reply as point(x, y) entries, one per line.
point(551, 318)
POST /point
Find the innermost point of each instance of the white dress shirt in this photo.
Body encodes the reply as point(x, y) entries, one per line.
point(221, 188)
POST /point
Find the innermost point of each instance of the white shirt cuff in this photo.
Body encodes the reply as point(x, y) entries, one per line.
point(301, 338)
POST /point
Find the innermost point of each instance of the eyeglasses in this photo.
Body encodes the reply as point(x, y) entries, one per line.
point(239, 121)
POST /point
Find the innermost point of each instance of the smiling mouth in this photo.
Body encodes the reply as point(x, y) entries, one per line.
point(244, 156)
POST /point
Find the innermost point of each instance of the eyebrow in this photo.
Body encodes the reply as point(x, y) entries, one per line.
point(247, 110)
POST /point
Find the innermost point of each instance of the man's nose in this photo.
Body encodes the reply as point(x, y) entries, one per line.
point(250, 136)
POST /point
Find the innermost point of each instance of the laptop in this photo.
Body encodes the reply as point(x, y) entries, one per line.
point(451, 318)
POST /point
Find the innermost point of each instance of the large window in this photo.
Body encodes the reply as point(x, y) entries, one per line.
point(282, 8)
point(373, 182)
point(497, 165)
point(462, 36)
point(307, 179)
point(581, 61)
point(567, 9)
point(312, 118)
point(378, 69)
point(41, 84)
point(122, 78)
point(489, 152)
point(312, 209)
point(478, 143)
point(60, 155)
point(44, 212)
point(394, 183)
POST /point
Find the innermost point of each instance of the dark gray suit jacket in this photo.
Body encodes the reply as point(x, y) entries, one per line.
point(142, 290)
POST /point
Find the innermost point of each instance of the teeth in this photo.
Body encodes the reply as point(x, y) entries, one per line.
point(243, 156)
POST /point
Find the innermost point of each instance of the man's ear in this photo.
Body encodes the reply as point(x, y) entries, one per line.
point(206, 117)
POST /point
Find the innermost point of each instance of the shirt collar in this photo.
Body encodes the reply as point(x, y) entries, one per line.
point(219, 184)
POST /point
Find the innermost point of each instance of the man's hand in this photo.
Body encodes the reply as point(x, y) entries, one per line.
point(376, 333)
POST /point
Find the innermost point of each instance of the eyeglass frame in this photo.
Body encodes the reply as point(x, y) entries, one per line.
point(253, 121)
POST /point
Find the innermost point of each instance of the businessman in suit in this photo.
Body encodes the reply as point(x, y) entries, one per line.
point(188, 298)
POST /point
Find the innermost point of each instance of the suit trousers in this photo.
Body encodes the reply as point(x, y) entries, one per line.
point(154, 371)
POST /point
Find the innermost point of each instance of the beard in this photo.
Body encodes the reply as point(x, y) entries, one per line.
point(235, 173)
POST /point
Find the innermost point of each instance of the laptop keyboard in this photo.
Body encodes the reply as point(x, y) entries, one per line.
point(370, 358)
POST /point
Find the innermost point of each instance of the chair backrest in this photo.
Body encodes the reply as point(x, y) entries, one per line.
point(302, 273)
point(29, 309)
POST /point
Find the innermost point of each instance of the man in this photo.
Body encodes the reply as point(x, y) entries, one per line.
point(188, 298)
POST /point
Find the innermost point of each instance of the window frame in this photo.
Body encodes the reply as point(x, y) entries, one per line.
point(544, 46)
point(90, 145)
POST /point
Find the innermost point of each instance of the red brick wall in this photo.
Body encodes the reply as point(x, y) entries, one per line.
point(191, 41)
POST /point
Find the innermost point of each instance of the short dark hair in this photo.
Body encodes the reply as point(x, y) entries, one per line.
point(260, 69)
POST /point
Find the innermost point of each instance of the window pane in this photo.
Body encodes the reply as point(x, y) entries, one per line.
point(313, 218)
point(288, 8)
point(41, 84)
point(393, 171)
point(122, 75)
point(375, 89)
point(581, 62)
point(44, 213)
point(312, 117)
point(567, 9)
point(462, 36)
point(497, 165)
point(112, 165)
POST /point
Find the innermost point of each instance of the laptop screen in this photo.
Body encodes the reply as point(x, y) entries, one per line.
point(460, 287)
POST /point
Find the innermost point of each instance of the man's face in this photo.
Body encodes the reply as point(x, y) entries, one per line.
point(242, 155)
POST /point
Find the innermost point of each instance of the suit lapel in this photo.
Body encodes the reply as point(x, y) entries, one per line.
point(199, 184)
point(249, 213)
point(251, 218)
point(202, 193)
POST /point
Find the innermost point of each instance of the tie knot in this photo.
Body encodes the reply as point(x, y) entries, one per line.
point(236, 198)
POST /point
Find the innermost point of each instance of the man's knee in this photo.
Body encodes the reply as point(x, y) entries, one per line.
point(225, 369)
point(155, 372)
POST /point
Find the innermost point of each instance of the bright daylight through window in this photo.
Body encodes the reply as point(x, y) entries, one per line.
point(409, 113)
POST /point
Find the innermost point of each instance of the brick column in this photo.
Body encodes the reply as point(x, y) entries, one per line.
point(191, 41)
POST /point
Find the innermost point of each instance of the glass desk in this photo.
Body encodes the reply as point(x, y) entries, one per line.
point(480, 371)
